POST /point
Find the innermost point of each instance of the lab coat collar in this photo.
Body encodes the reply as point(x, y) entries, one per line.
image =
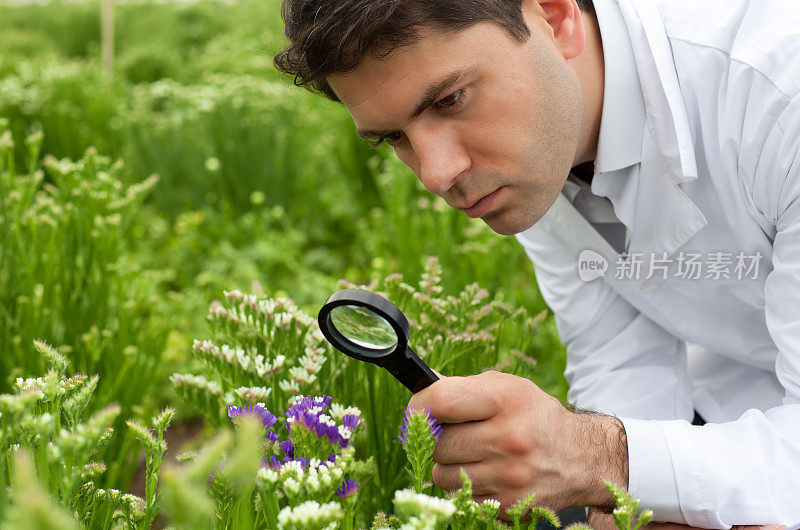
point(624, 115)
point(661, 217)
point(667, 119)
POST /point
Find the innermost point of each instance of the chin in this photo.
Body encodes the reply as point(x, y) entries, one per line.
point(507, 224)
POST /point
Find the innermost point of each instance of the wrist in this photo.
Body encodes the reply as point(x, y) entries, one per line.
point(603, 456)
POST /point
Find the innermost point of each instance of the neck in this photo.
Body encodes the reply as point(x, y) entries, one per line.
point(589, 67)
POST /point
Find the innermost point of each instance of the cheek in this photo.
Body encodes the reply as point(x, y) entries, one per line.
point(500, 133)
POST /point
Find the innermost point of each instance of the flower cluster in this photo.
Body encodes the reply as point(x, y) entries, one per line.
point(253, 394)
point(300, 475)
point(236, 360)
point(308, 412)
point(418, 434)
point(348, 487)
point(289, 451)
point(253, 325)
point(303, 478)
point(305, 374)
point(310, 515)
point(433, 425)
point(409, 504)
point(257, 411)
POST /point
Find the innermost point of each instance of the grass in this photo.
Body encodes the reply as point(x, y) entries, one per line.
point(260, 187)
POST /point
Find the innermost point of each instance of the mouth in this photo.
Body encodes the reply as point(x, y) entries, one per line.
point(482, 206)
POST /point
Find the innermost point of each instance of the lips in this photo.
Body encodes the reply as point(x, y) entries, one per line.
point(481, 206)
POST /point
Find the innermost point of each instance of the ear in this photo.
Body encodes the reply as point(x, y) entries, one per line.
point(561, 19)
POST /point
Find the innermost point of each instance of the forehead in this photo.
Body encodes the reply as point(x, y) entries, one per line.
point(380, 93)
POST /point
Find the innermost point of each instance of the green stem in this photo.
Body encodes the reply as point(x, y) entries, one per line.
point(348, 518)
point(269, 503)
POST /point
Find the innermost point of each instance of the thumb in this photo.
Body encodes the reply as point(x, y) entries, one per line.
point(440, 376)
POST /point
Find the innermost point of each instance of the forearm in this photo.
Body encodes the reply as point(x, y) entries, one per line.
point(601, 455)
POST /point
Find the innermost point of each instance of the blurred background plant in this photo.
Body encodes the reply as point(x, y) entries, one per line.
point(257, 181)
point(51, 452)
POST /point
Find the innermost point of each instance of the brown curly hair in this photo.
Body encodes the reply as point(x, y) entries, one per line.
point(328, 37)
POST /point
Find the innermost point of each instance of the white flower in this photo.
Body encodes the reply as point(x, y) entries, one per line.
point(291, 485)
point(309, 514)
point(344, 432)
point(292, 468)
point(268, 475)
point(289, 386)
point(411, 503)
point(339, 412)
point(416, 523)
point(312, 482)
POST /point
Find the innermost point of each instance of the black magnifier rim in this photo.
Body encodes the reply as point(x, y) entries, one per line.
point(378, 305)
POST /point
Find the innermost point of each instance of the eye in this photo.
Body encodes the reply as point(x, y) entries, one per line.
point(448, 104)
point(452, 101)
point(389, 139)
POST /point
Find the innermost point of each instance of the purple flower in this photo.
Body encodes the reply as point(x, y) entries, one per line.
point(348, 486)
point(288, 448)
point(308, 412)
point(433, 425)
point(307, 402)
point(271, 462)
point(350, 421)
point(266, 418)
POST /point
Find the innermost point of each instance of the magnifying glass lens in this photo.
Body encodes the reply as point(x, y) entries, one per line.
point(364, 328)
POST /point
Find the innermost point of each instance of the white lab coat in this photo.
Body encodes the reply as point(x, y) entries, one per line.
point(717, 171)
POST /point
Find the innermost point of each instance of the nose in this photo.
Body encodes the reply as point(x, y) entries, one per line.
point(441, 157)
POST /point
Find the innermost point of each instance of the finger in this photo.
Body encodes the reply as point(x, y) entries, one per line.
point(461, 443)
point(440, 376)
point(458, 399)
point(448, 477)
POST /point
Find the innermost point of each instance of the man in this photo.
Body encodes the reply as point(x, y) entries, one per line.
point(646, 153)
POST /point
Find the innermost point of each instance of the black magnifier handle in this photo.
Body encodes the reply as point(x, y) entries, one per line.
point(410, 370)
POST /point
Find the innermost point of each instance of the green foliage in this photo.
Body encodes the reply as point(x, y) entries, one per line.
point(49, 453)
point(155, 450)
point(419, 444)
point(524, 507)
point(627, 509)
point(64, 274)
point(31, 507)
point(469, 514)
point(263, 350)
point(268, 350)
point(260, 183)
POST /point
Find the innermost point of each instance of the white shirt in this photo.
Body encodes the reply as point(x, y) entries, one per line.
point(708, 168)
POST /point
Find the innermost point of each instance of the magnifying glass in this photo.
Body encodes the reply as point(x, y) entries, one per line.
point(370, 328)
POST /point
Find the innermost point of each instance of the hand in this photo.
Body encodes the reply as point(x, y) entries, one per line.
point(512, 438)
point(605, 521)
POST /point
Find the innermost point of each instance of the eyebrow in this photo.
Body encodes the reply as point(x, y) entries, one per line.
point(429, 97)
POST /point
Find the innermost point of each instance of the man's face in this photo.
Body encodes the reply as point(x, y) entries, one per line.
point(497, 142)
